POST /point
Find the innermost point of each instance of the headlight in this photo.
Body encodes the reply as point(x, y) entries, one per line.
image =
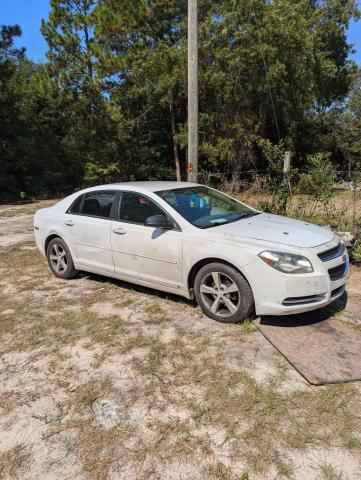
point(287, 262)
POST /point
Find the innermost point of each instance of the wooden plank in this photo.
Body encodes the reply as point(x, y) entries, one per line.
point(320, 347)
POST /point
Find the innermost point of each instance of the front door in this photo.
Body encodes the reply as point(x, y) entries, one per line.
point(147, 253)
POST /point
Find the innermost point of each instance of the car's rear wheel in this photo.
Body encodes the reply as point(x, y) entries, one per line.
point(60, 259)
point(223, 293)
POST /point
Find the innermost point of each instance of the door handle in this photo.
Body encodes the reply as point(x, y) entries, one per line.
point(70, 223)
point(119, 231)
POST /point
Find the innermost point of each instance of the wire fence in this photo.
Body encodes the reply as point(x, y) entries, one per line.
point(245, 178)
point(336, 204)
point(347, 178)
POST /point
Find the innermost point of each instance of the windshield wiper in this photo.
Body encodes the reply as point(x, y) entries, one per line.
point(249, 214)
point(239, 217)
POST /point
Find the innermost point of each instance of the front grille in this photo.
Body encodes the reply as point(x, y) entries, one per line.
point(303, 300)
point(332, 253)
point(337, 272)
point(337, 291)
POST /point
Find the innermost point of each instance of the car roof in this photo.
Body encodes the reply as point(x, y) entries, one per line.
point(150, 186)
point(141, 187)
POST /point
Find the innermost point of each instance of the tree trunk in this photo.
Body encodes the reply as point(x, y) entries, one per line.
point(175, 143)
point(89, 60)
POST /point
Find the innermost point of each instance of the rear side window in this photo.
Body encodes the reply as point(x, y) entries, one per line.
point(97, 204)
point(75, 207)
point(135, 208)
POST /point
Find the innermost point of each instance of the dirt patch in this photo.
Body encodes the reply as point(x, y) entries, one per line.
point(104, 380)
point(15, 210)
point(16, 222)
point(15, 230)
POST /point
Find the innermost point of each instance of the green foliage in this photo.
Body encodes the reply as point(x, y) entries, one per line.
point(280, 184)
point(69, 32)
point(348, 133)
point(356, 252)
point(281, 194)
point(264, 67)
point(319, 181)
point(37, 156)
point(273, 153)
point(8, 52)
point(111, 101)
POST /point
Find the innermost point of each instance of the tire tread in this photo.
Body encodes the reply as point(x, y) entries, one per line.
point(71, 271)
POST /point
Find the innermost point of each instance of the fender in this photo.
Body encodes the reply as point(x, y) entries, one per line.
point(61, 232)
point(224, 252)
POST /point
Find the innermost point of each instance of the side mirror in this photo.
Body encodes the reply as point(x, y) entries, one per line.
point(158, 221)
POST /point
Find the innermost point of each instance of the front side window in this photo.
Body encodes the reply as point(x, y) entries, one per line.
point(135, 208)
point(97, 204)
point(204, 207)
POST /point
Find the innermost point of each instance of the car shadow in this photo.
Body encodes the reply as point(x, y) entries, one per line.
point(307, 318)
point(295, 320)
point(137, 288)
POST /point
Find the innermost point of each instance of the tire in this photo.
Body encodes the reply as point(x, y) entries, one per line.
point(223, 293)
point(59, 259)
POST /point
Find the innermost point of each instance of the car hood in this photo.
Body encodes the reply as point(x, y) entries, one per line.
point(277, 229)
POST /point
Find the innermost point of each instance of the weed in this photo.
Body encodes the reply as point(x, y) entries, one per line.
point(155, 314)
point(247, 327)
point(329, 472)
point(13, 462)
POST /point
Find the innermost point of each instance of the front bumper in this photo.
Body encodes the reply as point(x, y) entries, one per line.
point(276, 293)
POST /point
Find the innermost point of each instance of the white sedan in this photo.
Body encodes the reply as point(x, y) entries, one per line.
point(197, 242)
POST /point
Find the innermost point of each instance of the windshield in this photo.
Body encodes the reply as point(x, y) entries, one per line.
point(204, 207)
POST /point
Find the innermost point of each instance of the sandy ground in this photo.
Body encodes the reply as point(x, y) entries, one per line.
point(104, 380)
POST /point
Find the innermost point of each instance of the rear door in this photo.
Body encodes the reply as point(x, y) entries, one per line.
point(139, 251)
point(88, 224)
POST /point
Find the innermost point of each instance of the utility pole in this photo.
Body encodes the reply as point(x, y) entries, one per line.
point(192, 167)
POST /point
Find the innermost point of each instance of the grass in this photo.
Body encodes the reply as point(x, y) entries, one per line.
point(349, 321)
point(327, 471)
point(247, 327)
point(155, 314)
point(183, 393)
point(342, 212)
point(260, 424)
point(13, 462)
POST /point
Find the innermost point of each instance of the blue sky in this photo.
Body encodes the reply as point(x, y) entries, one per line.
point(28, 14)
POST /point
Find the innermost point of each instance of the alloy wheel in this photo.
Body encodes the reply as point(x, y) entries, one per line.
point(220, 294)
point(58, 258)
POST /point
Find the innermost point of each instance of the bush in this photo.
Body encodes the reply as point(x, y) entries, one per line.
point(319, 181)
point(356, 253)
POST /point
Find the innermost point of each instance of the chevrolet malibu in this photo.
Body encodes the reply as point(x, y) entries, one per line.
point(194, 241)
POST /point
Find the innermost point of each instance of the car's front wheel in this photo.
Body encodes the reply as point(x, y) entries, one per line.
point(60, 259)
point(223, 293)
